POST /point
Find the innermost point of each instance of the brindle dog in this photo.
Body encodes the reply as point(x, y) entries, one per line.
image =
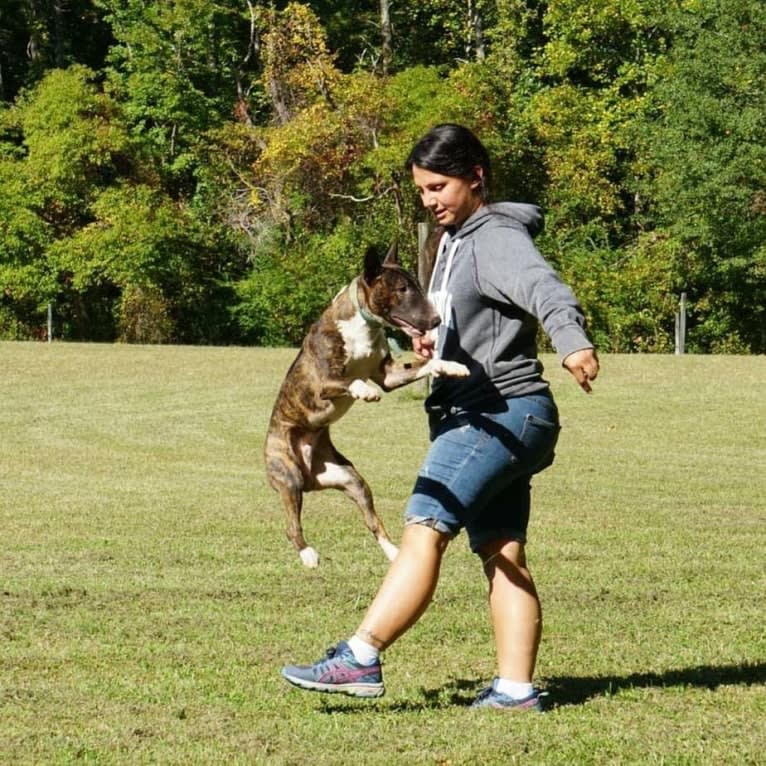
point(344, 349)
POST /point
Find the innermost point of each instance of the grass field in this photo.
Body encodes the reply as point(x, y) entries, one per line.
point(148, 595)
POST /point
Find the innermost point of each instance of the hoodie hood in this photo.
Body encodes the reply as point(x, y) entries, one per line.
point(519, 214)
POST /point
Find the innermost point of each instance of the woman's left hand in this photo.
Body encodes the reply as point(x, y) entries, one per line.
point(583, 364)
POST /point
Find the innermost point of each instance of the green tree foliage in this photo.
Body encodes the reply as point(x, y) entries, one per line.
point(82, 226)
point(707, 149)
point(212, 170)
point(61, 151)
point(26, 279)
point(177, 69)
point(594, 68)
point(37, 35)
point(327, 180)
point(73, 145)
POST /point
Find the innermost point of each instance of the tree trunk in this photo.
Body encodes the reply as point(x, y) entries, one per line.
point(58, 33)
point(275, 90)
point(241, 110)
point(385, 28)
point(476, 32)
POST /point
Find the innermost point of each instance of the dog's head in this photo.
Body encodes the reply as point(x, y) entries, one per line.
point(395, 295)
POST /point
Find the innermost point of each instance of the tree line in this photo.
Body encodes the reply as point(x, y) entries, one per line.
point(211, 171)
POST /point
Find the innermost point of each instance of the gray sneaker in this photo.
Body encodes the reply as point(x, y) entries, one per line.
point(492, 698)
point(338, 672)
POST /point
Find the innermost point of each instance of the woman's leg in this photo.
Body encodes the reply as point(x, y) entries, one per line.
point(514, 608)
point(407, 588)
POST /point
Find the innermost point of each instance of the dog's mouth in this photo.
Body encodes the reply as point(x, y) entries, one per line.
point(410, 329)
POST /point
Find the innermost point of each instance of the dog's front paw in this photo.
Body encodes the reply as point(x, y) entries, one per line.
point(439, 367)
point(361, 390)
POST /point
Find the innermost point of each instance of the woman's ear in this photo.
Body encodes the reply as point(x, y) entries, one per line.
point(478, 178)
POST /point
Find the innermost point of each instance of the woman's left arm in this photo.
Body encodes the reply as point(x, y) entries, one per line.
point(514, 270)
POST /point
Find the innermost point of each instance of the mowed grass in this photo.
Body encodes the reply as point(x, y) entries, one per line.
point(148, 595)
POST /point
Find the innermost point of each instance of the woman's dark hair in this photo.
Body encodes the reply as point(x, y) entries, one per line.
point(452, 150)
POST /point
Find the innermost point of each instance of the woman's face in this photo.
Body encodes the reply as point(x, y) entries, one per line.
point(451, 199)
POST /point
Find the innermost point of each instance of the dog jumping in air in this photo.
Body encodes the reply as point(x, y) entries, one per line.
point(343, 350)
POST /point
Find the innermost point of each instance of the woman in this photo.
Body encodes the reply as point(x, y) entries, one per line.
point(491, 432)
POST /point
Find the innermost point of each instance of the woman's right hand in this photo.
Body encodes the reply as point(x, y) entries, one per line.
point(424, 346)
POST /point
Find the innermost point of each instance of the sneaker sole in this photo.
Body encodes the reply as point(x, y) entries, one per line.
point(510, 708)
point(535, 705)
point(352, 690)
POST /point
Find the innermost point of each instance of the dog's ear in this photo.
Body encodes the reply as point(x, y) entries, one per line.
point(392, 257)
point(372, 265)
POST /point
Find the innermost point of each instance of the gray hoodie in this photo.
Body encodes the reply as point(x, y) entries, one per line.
point(491, 287)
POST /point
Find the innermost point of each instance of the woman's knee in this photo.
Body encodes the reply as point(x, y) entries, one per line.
point(422, 537)
point(508, 554)
point(510, 549)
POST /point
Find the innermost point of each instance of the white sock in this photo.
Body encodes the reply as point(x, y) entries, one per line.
point(517, 690)
point(365, 654)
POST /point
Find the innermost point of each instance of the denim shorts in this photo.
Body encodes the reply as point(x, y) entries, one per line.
point(478, 469)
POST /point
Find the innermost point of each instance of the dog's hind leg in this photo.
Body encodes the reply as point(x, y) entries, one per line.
point(292, 500)
point(331, 470)
point(286, 477)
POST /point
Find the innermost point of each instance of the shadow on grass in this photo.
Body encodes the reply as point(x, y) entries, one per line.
point(566, 690)
point(456, 692)
point(575, 690)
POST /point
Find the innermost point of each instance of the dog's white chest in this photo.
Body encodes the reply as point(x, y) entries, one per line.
point(362, 343)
